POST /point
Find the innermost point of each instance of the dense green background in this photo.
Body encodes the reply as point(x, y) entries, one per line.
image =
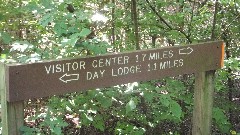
point(41, 29)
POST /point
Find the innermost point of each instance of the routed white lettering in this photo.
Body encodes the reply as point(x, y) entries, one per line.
point(181, 62)
point(102, 72)
point(163, 65)
point(89, 75)
point(82, 65)
point(170, 54)
point(114, 60)
point(94, 63)
point(120, 71)
point(104, 62)
point(100, 63)
point(48, 69)
point(165, 54)
point(108, 62)
point(53, 69)
point(152, 56)
point(144, 55)
point(136, 58)
point(65, 67)
point(68, 66)
point(113, 73)
point(75, 66)
point(95, 75)
point(120, 60)
point(126, 70)
point(138, 69)
point(58, 68)
point(126, 58)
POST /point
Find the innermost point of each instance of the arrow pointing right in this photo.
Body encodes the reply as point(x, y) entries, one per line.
point(187, 50)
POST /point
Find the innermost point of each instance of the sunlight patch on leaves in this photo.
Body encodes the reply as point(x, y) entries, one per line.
point(84, 32)
point(131, 105)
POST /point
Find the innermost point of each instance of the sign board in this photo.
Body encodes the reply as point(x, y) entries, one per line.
point(25, 81)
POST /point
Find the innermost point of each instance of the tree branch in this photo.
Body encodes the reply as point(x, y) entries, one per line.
point(167, 24)
point(159, 16)
point(214, 20)
point(135, 23)
point(203, 3)
point(113, 24)
point(191, 18)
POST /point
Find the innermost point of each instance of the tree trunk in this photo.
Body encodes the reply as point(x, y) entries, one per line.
point(113, 27)
point(135, 23)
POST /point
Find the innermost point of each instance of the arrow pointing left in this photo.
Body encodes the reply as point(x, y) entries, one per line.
point(69, 77)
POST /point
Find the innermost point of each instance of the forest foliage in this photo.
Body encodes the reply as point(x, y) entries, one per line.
point(37, 30)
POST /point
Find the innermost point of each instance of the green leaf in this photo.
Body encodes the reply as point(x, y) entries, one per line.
point(46, 3)
point(111, 92)
point(164, 99)
point(60, 28)
point(148, 95)
point(130, 106)
point(31, 6)
point(104, 101)
point(84, 32)
point(99, 122)
point(46, 19)
point(88, 117)
point(1, 16)
point(81, 15)
point(221, 119)
point(181, 1)
point(57, 130)
point(72, 30)
point(107, 103)
point(6, 38)
point(73, 41)
point(27, 130)
point(176, 109)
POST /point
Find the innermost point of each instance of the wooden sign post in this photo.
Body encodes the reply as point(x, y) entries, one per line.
point(203, 102)
point(26, 81)
point(12, 113)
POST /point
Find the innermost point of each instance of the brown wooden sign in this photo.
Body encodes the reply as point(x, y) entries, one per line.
point(25, 81)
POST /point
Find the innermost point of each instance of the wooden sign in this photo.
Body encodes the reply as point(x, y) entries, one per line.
point(25, 81)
